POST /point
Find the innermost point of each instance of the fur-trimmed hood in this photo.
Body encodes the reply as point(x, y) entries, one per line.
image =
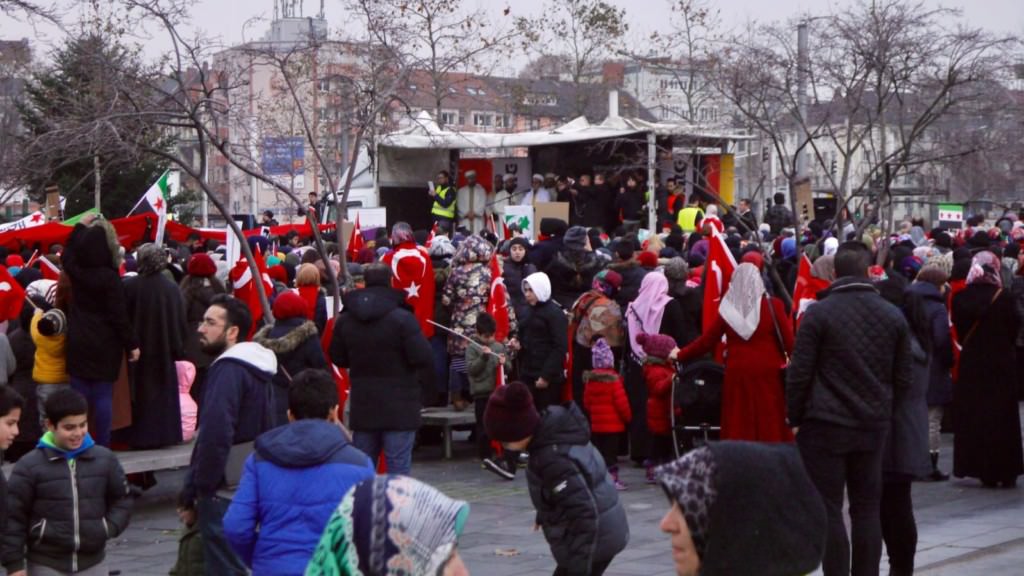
point(289, 341)
point(601, 375)
point(151, 259)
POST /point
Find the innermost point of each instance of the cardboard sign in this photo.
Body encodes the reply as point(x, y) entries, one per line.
point(559, 210)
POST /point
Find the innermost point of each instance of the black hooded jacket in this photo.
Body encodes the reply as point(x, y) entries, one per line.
point(296, 344)
point(379, 340)
point(577, 506)
point(99, 328)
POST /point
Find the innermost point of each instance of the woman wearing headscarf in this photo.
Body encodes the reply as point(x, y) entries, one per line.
point(987, 441)
point(545, 340)
point(198, 288)
point(742, 509)
point(465, 295)
point(653, 312)
point(759, 340)
point(595, 315)
point(392, 526)
point(307, 283)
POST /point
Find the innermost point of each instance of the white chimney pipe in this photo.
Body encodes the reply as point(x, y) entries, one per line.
point(613, 103)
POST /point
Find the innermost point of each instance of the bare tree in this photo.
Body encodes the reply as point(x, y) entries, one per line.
point(584, 33)
point(883, 73)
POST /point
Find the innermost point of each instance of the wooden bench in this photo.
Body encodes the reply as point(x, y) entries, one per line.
point(447, 417)
point(146, 460)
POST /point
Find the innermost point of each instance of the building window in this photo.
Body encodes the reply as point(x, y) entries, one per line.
point(483, 119)
point(533, 99)
point(324, 85)
point(501, 121)
point(323, 114)
point(450, 118)
point(534, 123)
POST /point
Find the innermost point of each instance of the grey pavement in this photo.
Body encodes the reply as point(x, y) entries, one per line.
point(964, 529)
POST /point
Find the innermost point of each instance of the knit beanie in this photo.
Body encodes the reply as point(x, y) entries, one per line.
point(608, 282)
point(676, 269)
point(519, 241)
point(690, 481)
point(648, 260)
point(510, 415)
point(289, 305)
point(601, 355)
point(575, 238)
point(201, 265)
point(656, 345)
point(53, 322)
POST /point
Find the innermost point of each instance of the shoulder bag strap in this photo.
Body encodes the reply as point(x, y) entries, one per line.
point(978, 321)
point(778, 331)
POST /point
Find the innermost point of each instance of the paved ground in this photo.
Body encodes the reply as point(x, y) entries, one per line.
point(964, 529)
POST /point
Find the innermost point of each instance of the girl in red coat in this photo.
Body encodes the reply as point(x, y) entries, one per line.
point(753, 403)
point(659, 370)
point(605, 400)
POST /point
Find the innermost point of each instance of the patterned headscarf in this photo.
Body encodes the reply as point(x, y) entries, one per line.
point(985, 269)
point(389, 526)
point(691, 482)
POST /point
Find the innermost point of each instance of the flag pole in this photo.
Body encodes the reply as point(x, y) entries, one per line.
point(476, 344)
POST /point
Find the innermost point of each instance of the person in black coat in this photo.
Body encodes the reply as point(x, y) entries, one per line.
point(929, 287)
point(597, 201)
point(629, 202)
point(987, 442)
point(551, 231)
point(296, 343)
point(577, 505)
point(515, 269)
point(631, 271)
point(379, 340)
point(544, 333)
point(198, 289)
point(100, 332)
point(572, 270)
point(156, 307)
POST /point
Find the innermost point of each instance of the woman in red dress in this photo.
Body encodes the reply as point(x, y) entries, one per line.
point(753, 402)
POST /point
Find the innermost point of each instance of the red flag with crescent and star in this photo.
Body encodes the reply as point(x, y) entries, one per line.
point(413, 273)
point(12, 296)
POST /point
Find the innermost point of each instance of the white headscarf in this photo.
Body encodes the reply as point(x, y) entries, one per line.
point(831, 245)
point(741, 307)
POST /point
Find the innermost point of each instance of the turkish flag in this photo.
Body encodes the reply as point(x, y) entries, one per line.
point(413, 273)
point(497, 305)
point(12, 296)
point(49, 269)
point(246, 290)
point(806, 290)
point(719, 268)
point(430, 238)
point(355, 242)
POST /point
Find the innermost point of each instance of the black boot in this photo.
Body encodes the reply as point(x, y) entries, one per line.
point(937, 475)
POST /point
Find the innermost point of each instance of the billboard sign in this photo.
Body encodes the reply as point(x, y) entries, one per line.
point(284, 160)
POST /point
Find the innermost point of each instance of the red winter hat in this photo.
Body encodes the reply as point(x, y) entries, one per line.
point(288, 304)
point(755, 258)
point(277, 273)
point(648, 259)
point(510, 415)
point(656, 345)
point(201, 265)
point(14, 260)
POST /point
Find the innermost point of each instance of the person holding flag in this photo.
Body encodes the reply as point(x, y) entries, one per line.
point(485, 360)
point(413, 273)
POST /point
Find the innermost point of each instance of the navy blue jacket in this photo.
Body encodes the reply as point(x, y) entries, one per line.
point(291, 485)
point(237, 407)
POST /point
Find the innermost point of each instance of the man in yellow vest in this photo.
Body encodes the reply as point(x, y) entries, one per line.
point(690, 217)
point(443, 210)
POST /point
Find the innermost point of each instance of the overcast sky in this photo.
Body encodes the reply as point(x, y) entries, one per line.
point(224, 19)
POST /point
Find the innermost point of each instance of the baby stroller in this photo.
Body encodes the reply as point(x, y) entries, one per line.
point(696, 405)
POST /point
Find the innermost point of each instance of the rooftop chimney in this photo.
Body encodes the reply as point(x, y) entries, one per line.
point(613, 103)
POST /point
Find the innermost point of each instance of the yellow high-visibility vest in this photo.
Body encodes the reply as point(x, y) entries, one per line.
point(438, 209)
point(687, 218)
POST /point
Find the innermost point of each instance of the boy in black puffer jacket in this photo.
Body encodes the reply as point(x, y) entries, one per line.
point(577, 505)
point(66, 498)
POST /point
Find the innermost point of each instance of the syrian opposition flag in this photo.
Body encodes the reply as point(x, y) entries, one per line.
point(355, 242)
point(497, 304)
point(246, 290)
point(12, 296)
point(154, 201)
point(413, 273)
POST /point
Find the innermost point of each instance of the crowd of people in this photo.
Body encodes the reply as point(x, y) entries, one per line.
point(846, 352)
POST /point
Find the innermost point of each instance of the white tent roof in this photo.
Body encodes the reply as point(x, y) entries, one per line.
point(425, 133)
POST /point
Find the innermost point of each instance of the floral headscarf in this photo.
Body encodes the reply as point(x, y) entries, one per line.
point(389, 526)
point(985, 269)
